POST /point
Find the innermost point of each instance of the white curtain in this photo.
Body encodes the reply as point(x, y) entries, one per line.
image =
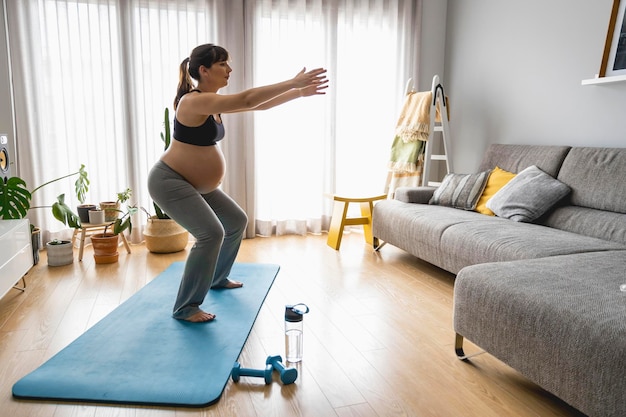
point(338, 143)
point(91, 80)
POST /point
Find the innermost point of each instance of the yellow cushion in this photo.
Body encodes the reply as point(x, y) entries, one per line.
point(497, 179)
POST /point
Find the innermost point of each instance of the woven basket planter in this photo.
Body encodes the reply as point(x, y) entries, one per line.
point(165, 236)
point(111, 210)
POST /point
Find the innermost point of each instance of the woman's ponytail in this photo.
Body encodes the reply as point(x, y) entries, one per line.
point(184, 82)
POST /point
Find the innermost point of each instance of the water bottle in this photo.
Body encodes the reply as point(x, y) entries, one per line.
point(293, 331)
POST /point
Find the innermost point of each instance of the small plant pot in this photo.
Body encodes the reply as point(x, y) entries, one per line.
point(105, 247)
point(96, 216)
point(83, 212)
point(60, 252)
point(111, 210)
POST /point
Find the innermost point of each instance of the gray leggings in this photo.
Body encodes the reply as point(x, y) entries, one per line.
point(217, 223)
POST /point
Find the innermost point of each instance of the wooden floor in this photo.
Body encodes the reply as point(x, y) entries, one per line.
point(377, 342)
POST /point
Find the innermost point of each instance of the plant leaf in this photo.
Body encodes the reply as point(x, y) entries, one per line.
point(119, 226)
point(63, 213)
point(82, 184)
point(166, 124)
point(159, 213)
point(14, 198)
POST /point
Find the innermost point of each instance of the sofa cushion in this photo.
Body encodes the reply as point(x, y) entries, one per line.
point(559, 321)
point(596, 177)
point(527, 196)
point(460, 191)
point(493, 239)
point(417, 228)
point(497, 179)
point(586, 221)
point(515, 158)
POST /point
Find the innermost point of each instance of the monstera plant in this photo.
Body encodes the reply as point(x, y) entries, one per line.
point(15, 198)
point(15, 202)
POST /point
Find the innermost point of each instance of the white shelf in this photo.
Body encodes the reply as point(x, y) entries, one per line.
point(604, 80)
point(16, 254)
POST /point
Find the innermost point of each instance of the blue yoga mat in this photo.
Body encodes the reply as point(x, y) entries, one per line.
point(139, 354)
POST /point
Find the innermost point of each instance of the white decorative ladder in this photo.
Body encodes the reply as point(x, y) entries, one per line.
point(437, 130)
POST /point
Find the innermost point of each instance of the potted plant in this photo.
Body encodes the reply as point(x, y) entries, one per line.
point(162, 234)
point(112, 208)
point(96, 216)
point(15, 202)
point(105, 244)
point(60, 252)
point(83, 212)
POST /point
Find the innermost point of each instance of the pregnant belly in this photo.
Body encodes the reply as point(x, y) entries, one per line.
point(202, 166)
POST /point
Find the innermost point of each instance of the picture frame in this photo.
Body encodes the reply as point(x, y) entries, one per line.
point(614, 56)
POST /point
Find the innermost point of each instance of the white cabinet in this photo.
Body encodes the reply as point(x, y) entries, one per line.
point(16, 253)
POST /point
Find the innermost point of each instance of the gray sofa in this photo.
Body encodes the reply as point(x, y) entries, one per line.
point(542, 296)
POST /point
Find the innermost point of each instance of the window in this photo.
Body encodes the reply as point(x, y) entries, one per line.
point(334, 143)
point(93, 77)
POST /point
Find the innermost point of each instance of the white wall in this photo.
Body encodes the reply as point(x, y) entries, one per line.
point(433, 42)
point(514, 72)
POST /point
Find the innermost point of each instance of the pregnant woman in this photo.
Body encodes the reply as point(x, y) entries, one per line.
point(185, 181)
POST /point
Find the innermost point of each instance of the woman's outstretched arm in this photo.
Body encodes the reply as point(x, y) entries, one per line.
point(293, 94)
point(213, 103)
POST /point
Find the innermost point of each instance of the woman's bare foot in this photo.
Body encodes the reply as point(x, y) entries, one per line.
point(200, 317)
point(231, 284)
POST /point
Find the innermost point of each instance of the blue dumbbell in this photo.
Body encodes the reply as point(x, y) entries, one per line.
point(287, 375)
point(266, 373)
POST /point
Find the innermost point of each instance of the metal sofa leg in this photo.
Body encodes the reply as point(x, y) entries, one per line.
point(377, 244)
point(458, 348)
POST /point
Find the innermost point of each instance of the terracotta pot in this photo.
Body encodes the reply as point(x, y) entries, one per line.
point(106, 259)
point(165, 236)
point(105, 247)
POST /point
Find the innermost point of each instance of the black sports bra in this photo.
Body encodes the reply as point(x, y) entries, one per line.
point(207, 134)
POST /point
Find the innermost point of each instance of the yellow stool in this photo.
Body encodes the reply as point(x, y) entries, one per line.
point(340, 218)
point(88, 229)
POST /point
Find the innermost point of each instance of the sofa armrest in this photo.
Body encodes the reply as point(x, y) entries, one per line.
point(420, 195)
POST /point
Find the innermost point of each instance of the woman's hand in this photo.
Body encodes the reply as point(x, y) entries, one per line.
point(314, 89)
point(313, 78)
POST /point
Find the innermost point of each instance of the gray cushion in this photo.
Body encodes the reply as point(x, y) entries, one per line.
point(417, 228)
point(493, 239)
point(527, 196)
point(588, 222)
point(596, 177)
point(514, 158)
point(460, 191)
